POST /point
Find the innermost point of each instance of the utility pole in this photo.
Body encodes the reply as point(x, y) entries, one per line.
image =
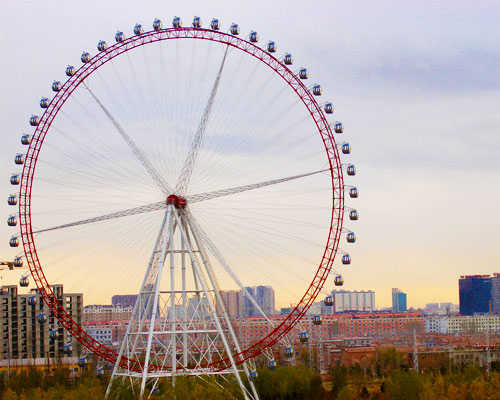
point(488, 353)
point(415, 350)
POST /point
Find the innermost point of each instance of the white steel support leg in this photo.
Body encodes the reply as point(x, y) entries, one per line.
point(224, 311)
point(184, 304)
point(172, 299)
point(155, 301)
point(213, 311)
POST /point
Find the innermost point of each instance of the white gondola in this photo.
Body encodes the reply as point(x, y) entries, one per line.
point(317, 91)
point(288, 352)
point(353, 215)
point(197, 22)
point(252, 376)
point(215, 24)
point(254, 37)
point(235, 29)
point(346, 148)
point(138, 30)
point(328, 108)
point(68, 349)
point(339, 281)
point(14, 179)
point(303, 73)
point(288, 59)
point(177, 22)
point(119, 37)
point(351, 170)
point(346, 259)
point(44, 102)
point(303, 337)
point(19, 159)
point(12, 200)
point(85, 57)
point(157, 24)
point(26, 139)
point(32, 300)
point(24, 281)
point(99, 372)
point(353, 193)
point(70, 70)
point(350, 237)
point(271, 364)
point(12, 221)
point(317, 320)
point(329, 301)
point(18, 262)
point(339, 127)
point(56, 86)
point(53, 334)
point(41, 318)
point(34, 120)
point(82, 362)
point(14, 242)
point(272, 47)
point(102, 45)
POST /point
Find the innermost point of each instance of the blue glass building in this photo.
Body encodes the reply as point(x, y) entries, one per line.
point(474, 294)
point(398, 301)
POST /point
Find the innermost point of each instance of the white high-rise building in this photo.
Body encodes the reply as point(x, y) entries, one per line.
point(358, 301)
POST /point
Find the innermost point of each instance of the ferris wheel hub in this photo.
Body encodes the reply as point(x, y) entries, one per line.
point(177, 201)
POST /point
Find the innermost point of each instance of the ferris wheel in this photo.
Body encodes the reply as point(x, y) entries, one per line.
point(195, 161)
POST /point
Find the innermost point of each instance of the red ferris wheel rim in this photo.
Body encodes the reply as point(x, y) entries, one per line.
point(78, 78)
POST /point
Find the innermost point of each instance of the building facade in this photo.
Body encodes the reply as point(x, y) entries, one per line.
point(495, 293)
point(398, 301)
point(124, 300)
point(264, 297)
point(380, 324)
point(474, 294)
point(97, 312)
point(353, 301)
point(233, 300)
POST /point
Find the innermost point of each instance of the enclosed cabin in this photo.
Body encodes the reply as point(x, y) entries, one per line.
point(353, 192)
point(288, 352)
point(215, 24)
point(18, 262)
point(102, 45)
point(338, 127)
point(353, 215)
point(138, 30)
point(12, 220)
point(328, 108)
point(19, 159)
point(235, 29)
point(254, 37)
point(350, 237)
point(24, 281)
point(197, 22)
point(34, 120)
point(303, 73)
point(12, 200)
point(56, 86)
point(157, 24)
point(303, 337)
point(288, 59)
point(177, 22)
point(329, 301)
point(119, 37)
point(271, 364)
point(99, 372)
point(14, 179)
point(5, 291)
point(339, 281)
point(70, 70)
point(68, 349)
point(44, 102)
point(26, 139)
point(41, 318)
point(346, 259)
point(32, 300)
point(351, 170)
point(317, 91)
point(85, 57)
point(53, 334)
point(252, 376)
point(82, 362)
point(14, 242)
point(346, 148)
point(317, 320)
point(272, 47)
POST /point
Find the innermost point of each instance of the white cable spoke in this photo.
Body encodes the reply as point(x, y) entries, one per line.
point(239, 189)
point(160, 205)
point(157, 178)
point(187, 169)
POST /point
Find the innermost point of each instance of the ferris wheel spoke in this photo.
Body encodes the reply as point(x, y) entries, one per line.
point(187, 169)
point(200, 232)
point(160, 205)
point(157, 178)
point(245, 188)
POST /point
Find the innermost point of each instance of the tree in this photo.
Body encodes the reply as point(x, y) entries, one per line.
point(338, 378)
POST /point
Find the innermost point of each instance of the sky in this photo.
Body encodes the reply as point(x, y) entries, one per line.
point(416, 84)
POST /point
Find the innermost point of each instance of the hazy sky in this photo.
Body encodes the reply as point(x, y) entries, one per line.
point(417, 85)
